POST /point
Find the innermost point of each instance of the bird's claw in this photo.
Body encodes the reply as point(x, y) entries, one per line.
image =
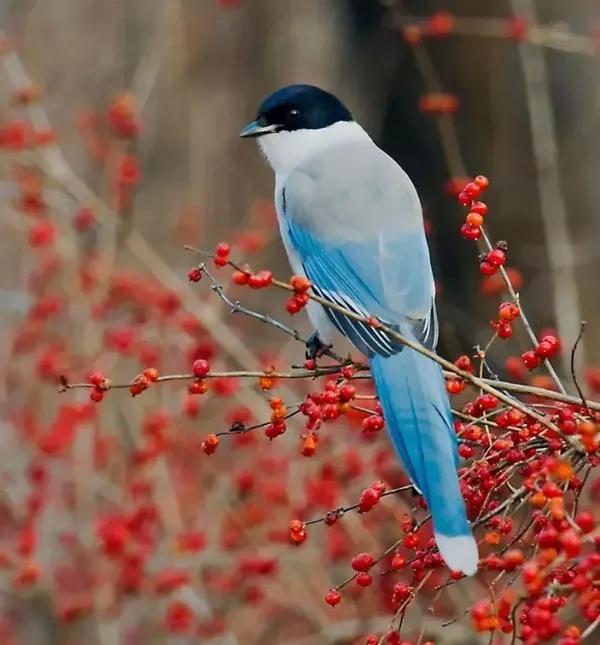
point(315, 347)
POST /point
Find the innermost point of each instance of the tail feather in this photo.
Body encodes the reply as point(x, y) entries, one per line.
point(419, 421)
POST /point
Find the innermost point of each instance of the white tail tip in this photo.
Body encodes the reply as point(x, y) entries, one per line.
point(460, 552)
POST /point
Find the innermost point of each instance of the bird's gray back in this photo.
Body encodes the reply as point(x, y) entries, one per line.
point(354, 191)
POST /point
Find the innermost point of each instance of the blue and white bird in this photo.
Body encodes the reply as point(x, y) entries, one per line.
point(351, 222)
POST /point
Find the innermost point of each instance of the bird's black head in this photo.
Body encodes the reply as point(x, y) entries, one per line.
point(297, 107)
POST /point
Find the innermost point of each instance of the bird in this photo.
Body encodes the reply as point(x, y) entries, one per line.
point(351, 223)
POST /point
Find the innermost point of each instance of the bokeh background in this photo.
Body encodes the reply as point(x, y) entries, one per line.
point(522, 79)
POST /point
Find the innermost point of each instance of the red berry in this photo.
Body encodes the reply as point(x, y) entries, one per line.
point(364, 579)
point(333, 597)
point(222, 249)
point(504, 330)
point(240, 277)
point(292, 306)
point(398, 561)
point(195, 275)
point(454, 386)
point(402, 591)
point(496, 257)
point(465, 451)
point(209, 445)
point(41, 233)
point(487, 402)
point(482, 181)
point(96, 395)
point(300, 283)
point(470, 232)
point(260, 280)
point(200, 368)
point(472, 190)
point(362, 561)
point(552, 340)
point(570, 542)
point(347, 393)
point(96, 378)
point(486, 268)
point(530, 360)
point(373, 423)
point(544, 350)
point(585, 521)
point(368, 499)
point(508, 311)
point(474, 219)
point(480, 208)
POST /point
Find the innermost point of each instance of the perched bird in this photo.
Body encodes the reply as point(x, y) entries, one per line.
point(351, 222)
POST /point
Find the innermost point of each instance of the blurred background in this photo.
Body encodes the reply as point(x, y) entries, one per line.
point(151, 95)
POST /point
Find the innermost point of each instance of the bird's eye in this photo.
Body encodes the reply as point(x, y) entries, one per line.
point(293, 114)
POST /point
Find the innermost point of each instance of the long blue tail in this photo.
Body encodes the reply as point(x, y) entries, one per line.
point(411, 390)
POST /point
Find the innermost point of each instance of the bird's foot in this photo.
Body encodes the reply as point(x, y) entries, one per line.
point(315, 347)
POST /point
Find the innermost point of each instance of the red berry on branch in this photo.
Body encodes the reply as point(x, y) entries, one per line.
point(402, 591)
point(195, 274)
point(372, 424)
point(544, 350)
point(474, 219)
point(222, 249)
point(333, 597)
point(260, 280)
point(455, 386)
point(42, 233)
point(398, 561)
point(465, 451)
point(96, 395)
point(496, 257)
point(368, 499)
point(504, 330)
point(464, 363)
point(530, 360)
point(463, 198)
point(96, 378)
point(480, 208)
point(482, 181)
point(508, 311)
point(197, 387)
point(470, 233)
point(362, 562)
point(553, 341)
point(292, 306)
point(472, 190)
point(300, 283)
point(200, 368)
point(363, 579)
point(585, 521)
point(486, 268)
point(209, 445)
point(151, 373)
point(240, 277)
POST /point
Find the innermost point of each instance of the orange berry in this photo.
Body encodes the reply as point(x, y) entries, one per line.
point(474, 219)
point(537, 500)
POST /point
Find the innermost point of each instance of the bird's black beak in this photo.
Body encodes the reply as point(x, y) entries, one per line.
point(256, 129)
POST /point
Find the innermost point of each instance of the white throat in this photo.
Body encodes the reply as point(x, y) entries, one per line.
point(286, 150)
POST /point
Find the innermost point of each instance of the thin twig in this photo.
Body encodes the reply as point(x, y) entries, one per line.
point(574, 371)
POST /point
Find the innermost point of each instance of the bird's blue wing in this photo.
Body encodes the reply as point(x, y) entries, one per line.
point(386, 276)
